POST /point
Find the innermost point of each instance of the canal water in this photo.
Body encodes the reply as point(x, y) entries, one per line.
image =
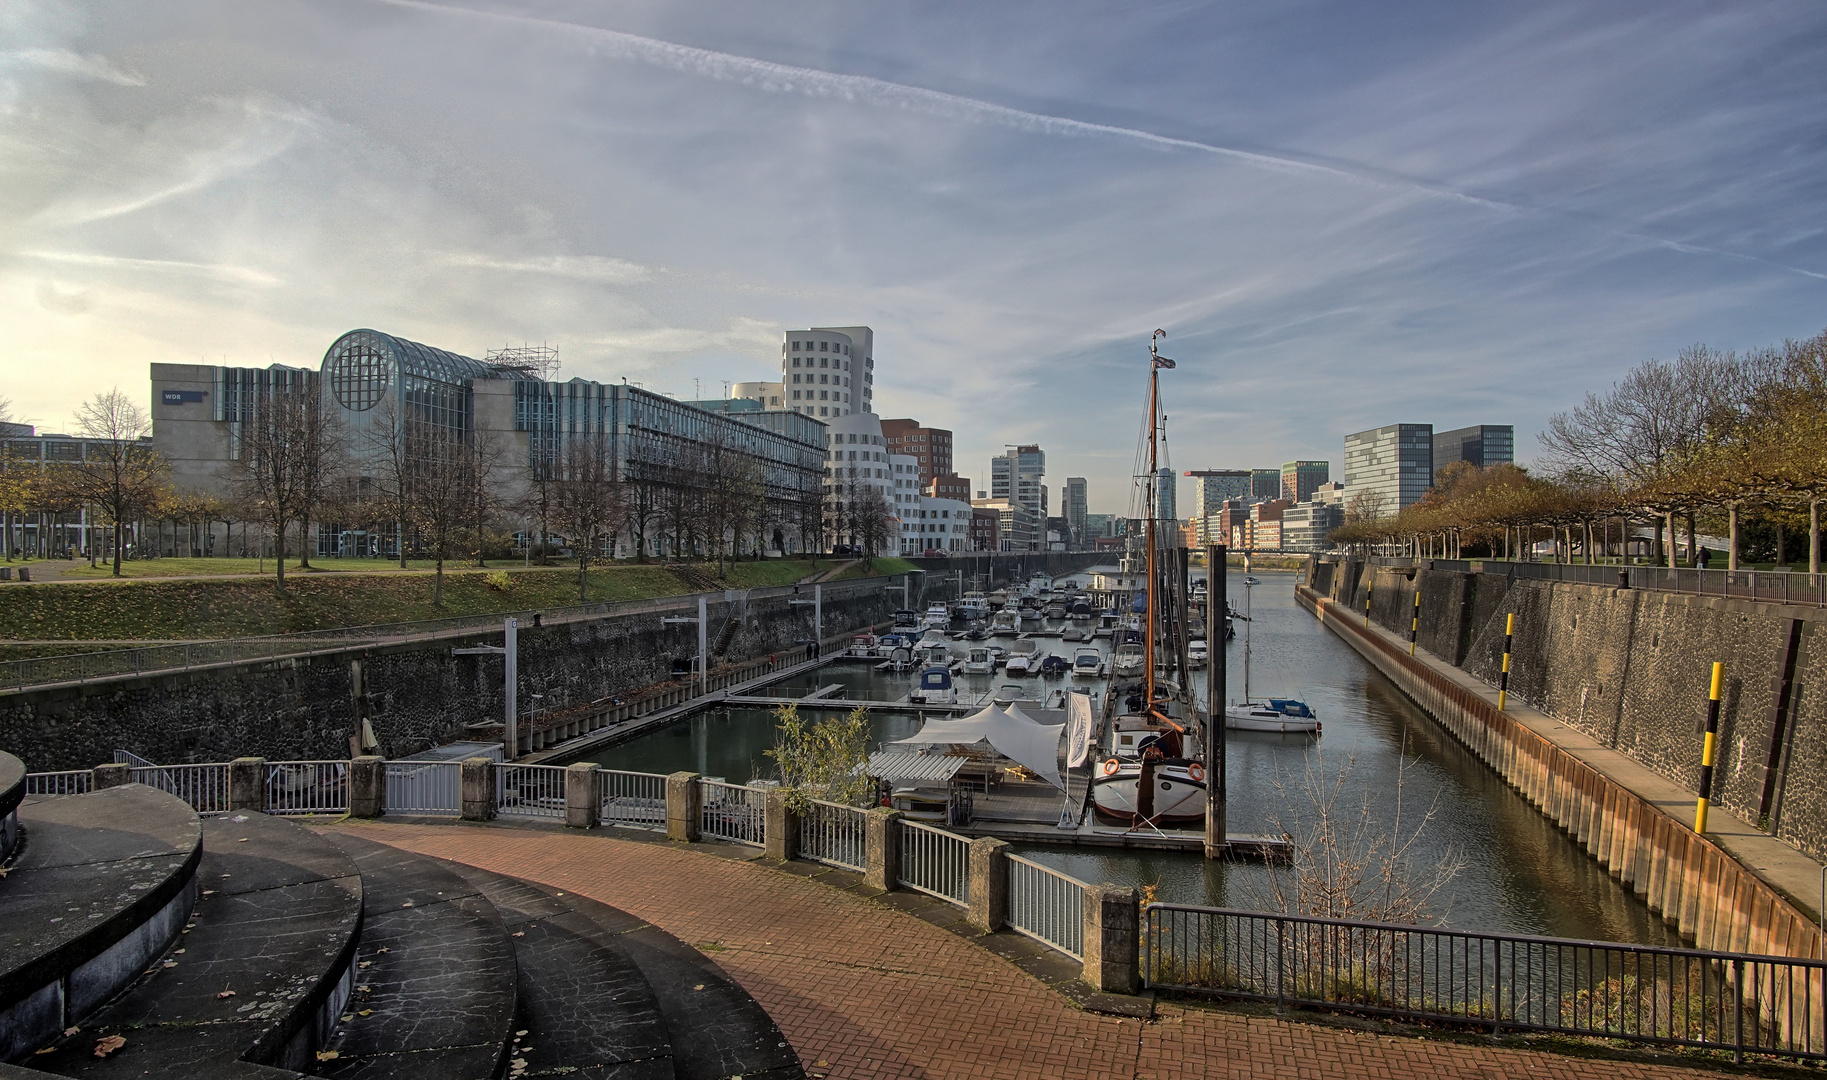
point(1385, 766)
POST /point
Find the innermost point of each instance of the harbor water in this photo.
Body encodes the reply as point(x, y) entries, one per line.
point(1385, 768)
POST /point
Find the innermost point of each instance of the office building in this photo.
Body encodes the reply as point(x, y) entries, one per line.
point(828, 371)
point(1017, 527)
point(950, 487)
point(771, 395)
point(1167, 503)
point(930, 447)
point(386, 392)
point(1481, 445)
point(1299, 479)
point(1074, 499)
point(1394, 463)
point(1098, 526)
point(1265, 483)
point(1020, 474)
point(985, 523)
point(70, 529)
point(1305, 526)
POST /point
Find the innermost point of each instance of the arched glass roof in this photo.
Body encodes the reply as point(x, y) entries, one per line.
point(361, 365)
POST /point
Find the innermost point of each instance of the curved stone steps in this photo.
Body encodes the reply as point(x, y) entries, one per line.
point(102, 885)
point(435, 981)
point(712, 1025)
point(275, 929)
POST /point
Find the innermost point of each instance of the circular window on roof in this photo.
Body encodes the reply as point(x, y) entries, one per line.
point(359, 374)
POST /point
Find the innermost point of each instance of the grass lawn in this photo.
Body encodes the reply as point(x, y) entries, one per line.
point(145, 568)
point(212, 608)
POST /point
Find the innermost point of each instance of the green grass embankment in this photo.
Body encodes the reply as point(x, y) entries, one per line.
point(243, 607)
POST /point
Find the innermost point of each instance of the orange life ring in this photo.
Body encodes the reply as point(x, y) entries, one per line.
point(1196, 771)
point(1111, 767)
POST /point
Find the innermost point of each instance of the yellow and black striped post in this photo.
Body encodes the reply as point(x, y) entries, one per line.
point(1706, 750)
point(1414, 621)
point(1503, 681)
point(1369, 587)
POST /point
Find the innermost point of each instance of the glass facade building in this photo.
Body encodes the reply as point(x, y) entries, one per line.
point(1481, 445)
point(1396, 461)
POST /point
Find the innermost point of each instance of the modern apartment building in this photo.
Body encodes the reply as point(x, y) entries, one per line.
point(1480, 445)
point(772, 395)
point(1299, 479)
point(1395, 461)
point(950, 487)
point(1017, 527)
point(930, 447)
point(1167, 502)
point(1305, 526)
point(1020, 474)
point(828, 371)
point(1214, 487)
point(1265, 483)
point(1075, 501)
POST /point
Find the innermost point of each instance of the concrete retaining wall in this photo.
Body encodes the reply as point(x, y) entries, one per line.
point(1630, 668)
point(1697, 887)
point(415, 695)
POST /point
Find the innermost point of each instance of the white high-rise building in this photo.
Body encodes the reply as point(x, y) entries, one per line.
point(828, 371)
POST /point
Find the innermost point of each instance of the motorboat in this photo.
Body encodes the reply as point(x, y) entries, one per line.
point(1106, 624)
point(938, 616)
point(900, 658)
point(1007, 692)
point(1130, 660)
point(1087, 663)
point(1196, 651)
point(934, 688)
point(907, 622)
point(980, 662)
point(1073, 633)
point(999, 655)
point(920, 803)
point(1005, 622)
point(1081, 611)
point(1055, 611)
point(1054, 666)
point(863, 645)
point(976, 632)
point(1022, 657)
point(975, 605)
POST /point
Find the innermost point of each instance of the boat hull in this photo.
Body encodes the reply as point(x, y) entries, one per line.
point(1179, 799)
point(1236, 719)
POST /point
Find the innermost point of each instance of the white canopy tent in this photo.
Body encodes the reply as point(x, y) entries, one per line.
point(1011, 733)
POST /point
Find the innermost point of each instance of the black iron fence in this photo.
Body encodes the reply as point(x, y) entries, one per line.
point(1735, 1002)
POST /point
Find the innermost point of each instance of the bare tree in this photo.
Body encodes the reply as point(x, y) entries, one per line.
point(587, 502)
point(119, 475)
point(289, 450)
point(871, 518)
point(389, 459)
point(484, 454)
point(440, 493)
point(646, 506)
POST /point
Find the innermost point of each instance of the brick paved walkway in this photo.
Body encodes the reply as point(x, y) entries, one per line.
point(866, 991)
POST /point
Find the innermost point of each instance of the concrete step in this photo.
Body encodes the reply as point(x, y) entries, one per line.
point(435, 981)
point(101, 886)
point(712, 1026)
point(257, 980)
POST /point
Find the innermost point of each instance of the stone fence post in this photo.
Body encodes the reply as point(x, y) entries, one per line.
point(582, 802)
point(989, 884)
point(107, 776)
point(478, 789)
point(682, 806)
point(247, 784)
point(782, 827)
point(367, 786)
point(882, 849)
point(1112, 939)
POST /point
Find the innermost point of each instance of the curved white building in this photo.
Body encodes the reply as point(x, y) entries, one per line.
point(828, 371)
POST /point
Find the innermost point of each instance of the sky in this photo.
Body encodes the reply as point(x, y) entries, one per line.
point(1342, 215)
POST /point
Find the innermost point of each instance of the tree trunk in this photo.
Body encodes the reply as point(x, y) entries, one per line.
point(1668, 519)
point(119, 528)
point(1781, 542)
point(1814, 536)
point(437, 581)
point(304, 545)
point(1731, 538)
point(1692, 550)
point(279, 550)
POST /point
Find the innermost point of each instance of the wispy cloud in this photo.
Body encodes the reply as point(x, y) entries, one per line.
point(240, 275)
point(592, 268)
point(66, 62)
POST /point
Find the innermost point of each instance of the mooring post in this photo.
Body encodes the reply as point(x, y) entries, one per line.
point(1217, 608)
point(1706, 749)
point(367, 786)
point(107, 776)
point(1503, 680)
point(1414, 622)
point(1370, 586)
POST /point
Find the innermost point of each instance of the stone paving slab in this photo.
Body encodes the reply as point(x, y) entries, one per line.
point(863, 990)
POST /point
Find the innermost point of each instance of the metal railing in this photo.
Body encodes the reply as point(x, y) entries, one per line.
point(1736, 1002)
point(203, 787)
point(307, 787)
point(1768, 586)
point(424, 787)
point(733, 812)
point(530, 790)
point(68, 782)
point(1047, 906)
point(128, 757)
point(832, 833)
point(935, 862)
point(184, 656)
point(632, 800)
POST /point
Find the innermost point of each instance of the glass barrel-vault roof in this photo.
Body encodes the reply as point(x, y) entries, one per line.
point(362, 365)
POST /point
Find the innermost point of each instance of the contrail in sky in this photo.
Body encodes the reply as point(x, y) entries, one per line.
point(776, 78)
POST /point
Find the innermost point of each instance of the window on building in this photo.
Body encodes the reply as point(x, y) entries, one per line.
point(823, 345)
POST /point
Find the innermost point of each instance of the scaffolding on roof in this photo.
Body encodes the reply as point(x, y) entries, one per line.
point(538, 362)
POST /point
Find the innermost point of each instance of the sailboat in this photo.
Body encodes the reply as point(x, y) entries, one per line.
point(1147, 778)
point(1284, 715)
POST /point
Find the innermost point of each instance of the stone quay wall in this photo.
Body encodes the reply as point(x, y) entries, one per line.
point(1630, 668)
point(1696, 886)
point(416, 694)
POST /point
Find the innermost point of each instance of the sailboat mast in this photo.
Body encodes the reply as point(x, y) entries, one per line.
point(1148, 532)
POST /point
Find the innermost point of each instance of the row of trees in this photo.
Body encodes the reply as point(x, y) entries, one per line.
point(1712, 440)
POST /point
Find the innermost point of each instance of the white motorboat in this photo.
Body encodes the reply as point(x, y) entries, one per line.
point(1008, 692)
point(938, 617)
point(1129, 662)
point(1087, 663)
point(1005, 622)
point(1106, 625)
point(934, 688)
point(906, 622)
point(980, 661)
point(1196, 651)
point(1022, 657)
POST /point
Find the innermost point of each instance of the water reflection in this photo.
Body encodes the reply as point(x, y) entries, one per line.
point(1521, 874)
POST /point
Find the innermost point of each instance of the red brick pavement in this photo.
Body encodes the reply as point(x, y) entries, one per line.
point(868, 992)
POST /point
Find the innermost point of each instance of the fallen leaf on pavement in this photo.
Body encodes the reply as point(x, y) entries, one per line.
point(108, 1045)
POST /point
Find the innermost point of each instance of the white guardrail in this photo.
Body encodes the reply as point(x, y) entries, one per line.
point(204, 787)
point(68, 782)
point(733, 812)
point(936, 862)
point(632, 800)
point(530, 790)
point(424, 787)
point(307, 787)
point(832, 833)
point(1047, 906)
